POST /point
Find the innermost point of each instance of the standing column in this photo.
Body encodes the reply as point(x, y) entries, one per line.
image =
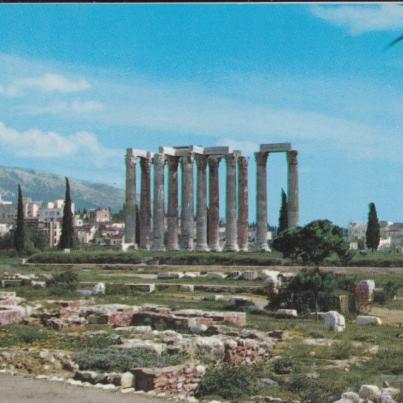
point(187, 219)
point(158, 216)
point(201, 204)
point(293, 193)
point(231, 233)
point(172, 239)
point(214, 204)
point(145, 203)
point(130, 202)
point(243, 206)
point(261, 201)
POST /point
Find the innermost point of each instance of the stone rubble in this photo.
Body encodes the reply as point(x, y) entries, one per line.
point(334, 321)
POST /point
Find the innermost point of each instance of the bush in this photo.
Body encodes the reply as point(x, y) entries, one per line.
point(387, 294)
point(22, 334)
point(66, 281)
point(229, 382)
point(109, 360)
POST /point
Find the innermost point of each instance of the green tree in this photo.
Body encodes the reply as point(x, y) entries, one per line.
point(283, 218)
point(373, 229)
point(19, 239)
point(67, 236)
point(313, 243)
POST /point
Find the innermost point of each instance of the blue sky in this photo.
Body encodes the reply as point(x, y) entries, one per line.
point(80, 83)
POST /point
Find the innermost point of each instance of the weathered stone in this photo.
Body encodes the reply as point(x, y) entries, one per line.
point(370, 392)
point(99, 288)
point(368, 320)
point(216, 275)
point(249, 275)
point(169, 275)
point(287, 313)
point(127, 380)
point(334, 321)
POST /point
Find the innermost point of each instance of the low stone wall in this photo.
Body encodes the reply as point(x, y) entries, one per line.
point(177, 380)
point(244, 351)
point(11, 314)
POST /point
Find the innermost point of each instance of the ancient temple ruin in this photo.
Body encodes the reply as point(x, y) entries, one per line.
point(182, 228)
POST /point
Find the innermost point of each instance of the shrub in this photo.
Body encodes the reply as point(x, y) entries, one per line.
point(22, 334)
point(387, 294)
point(64, 281)
point(111, 360)
point(229, 382)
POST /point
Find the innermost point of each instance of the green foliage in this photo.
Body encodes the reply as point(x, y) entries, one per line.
point(388, 293)
point(66, 281)
point(313, 243)
point(19, 230)
point(283, 218)
point(373, 229)
point(310, 290)
point(230, 383)
point(22, 334)
point(67, 236)
point(111, 360)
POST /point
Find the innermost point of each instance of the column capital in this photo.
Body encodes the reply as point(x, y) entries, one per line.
point(213, 160)
point(261, 158)
point(159, 160)
point(243, 161)
point(130, 158)
point(292, 157)
point(231, 159)
point(145, 162)
point(173, 162)
point(201, 161)
point(187, 159)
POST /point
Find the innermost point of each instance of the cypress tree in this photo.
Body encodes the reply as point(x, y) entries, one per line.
point(19, 238)
point(67, 236)
point(373, 229)
point(283, 217)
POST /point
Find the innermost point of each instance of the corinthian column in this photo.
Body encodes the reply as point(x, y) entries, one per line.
point(231, 233)
point(261, 201)
point(158, 216)
point(201, 204)
point(187, 219)
point(145, 203)
point(214, 204)
point(172, 239)
point(243, 207)
point(130, 201)
point(293, 196)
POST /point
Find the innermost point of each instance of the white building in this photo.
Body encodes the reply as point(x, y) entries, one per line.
point(52, 211)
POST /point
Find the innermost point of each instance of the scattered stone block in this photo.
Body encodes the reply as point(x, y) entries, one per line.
point(370, 392)
point(213, 297)
point(169, 275)
point(215, 275)
point(286, 313)
point(334, 321)
point(249, 275)
point(99, 288)
point(127, 380)
point(363, 320)
point(239, 301)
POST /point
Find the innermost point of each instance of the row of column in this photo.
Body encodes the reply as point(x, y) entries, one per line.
point(207, 225)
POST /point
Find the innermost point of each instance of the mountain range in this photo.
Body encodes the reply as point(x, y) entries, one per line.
point(44, 186)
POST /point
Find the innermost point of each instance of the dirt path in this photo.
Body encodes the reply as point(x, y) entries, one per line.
point(388, 316)
point(19, 389)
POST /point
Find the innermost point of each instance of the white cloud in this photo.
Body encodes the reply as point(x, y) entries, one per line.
point(38, 144)
point(75, 106)
point(359, 19)
point(46, 83)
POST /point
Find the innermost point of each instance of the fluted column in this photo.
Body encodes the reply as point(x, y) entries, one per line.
point(231, 231)
point(293, 193)
point(243, 204)
point(158, 216)
point(130, 200)
point(261, 201)
point(187, 210)
point(172, 238)
point(145, 203)
point(201, 204)
point(214, 204)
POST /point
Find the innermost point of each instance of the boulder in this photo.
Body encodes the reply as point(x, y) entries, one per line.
point(215, 275)
point(334, 321)
point(370, 392)
point(127, 380)
point(352, 397)
point(286, 313)
point(99, 288)
point(363, 320)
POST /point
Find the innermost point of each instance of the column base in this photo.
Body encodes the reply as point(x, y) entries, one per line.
point(231, 248)
point(263, 247)
point(243, 249)
point(125, 246)
point(215, 248)
point(173, 247)
point(145, 247)
point(158, 248)
point(202, 248)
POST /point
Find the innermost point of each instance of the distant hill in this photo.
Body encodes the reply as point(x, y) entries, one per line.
point(43, 186)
